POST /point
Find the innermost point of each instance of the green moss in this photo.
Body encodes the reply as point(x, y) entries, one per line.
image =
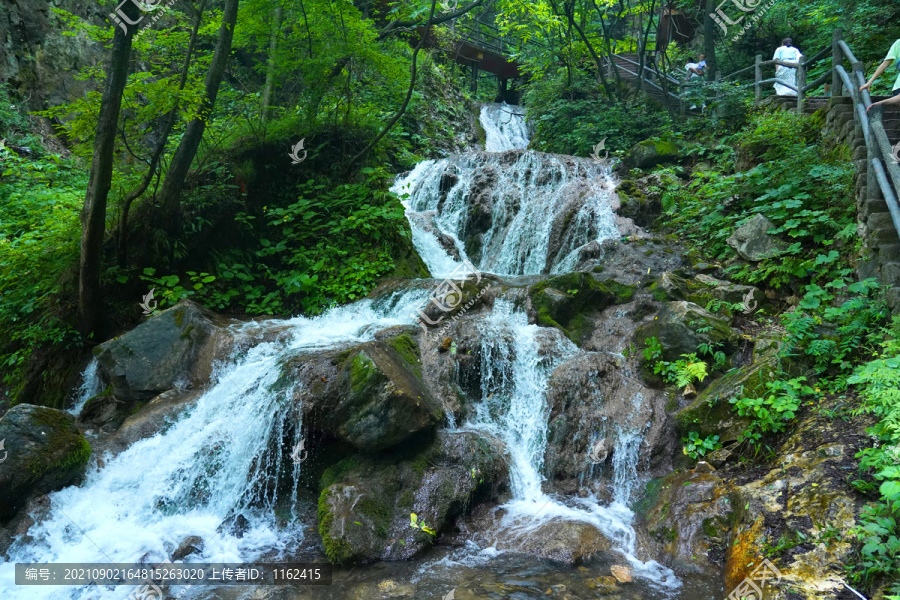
point(650, 496)
point(61, 433)
point(337, 550)
point(336, 472)
point(187, 332)
point(407, 348)
point(709, 527)
point(364, 375)
point(377, 511)
point(420, 464)
point(666, 148)
point(179, 317)
point(406, 499)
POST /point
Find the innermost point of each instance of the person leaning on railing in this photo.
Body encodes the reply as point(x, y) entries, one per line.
point(893, 56)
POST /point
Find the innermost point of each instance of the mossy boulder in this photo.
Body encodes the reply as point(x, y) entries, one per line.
point(42, 452)
point(682, 326)
point(650, 153)
point(752, 240)
point(370, 396)
point(174, 348)
point(688, 517)
point(564, 302)
point(366, 502)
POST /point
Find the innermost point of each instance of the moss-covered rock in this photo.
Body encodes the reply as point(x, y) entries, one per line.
point(43, 452)
point(370, 396)
point(682, 326)
point(366, 502)
point(563, 302)
point(650, 153)
point(175, 348)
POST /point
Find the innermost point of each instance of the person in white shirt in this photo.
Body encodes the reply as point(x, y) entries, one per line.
point(786, 75)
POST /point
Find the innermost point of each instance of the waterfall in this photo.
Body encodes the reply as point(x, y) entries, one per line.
point(90, 387)
point(537, 210)
point(505, 127)
point(221, 457)
point(517, 360)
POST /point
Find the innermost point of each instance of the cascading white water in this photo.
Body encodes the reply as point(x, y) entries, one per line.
point(505, 127)
point(90, 387)
point(517, 360)
point(529, 194)
point(221, 456)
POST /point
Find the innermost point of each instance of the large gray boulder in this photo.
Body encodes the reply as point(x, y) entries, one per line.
point(650, 153)
point(370, 396)
point(42, 451)
point(366, 502)
point(174, 349)
point(752, 240)
point(682, 326)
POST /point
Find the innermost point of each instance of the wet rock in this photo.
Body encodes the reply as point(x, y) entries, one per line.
point(33, 512)
point(370, 396)
point(563, 301)
point(366, 503)
point(621, 573)
point(688, 519)
point(803, 506)
point(753, 242)
point(641, 200)
point(425, 221)
point(104, 412)
point(236, 525)
point(152, 418)
point(650, 153)
point(682, 326)
point(173, 349)
point(569, 542)
point(704, 467)
point(193, 544)
point(42, 451)
point(592, 397)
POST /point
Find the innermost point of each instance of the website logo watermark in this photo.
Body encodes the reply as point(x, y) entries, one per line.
point(5, 453)
point(448, 297)
point(601, 146)
point(896, 153)
point(123, 20)
point(599, 452)
point(722, 19)
point(295, 454)
point(146, 303)
point(751, 587)
point(296, 159)
point(750, 303)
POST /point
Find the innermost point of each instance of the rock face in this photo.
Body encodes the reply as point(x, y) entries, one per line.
point(682, 326)
point(366, 503)
point(752, 240)
point(174, 349)
point(43, 452)
point(370, 396)
point(650, 153)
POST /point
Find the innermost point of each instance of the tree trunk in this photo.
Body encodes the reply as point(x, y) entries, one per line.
point(170, 194)
point(709, 40)
point(160, 147)
point(93, 215)
point(270, 69)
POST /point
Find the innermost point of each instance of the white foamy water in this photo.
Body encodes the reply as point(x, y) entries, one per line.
point(534, 198)
point(516, 364)
point(221, 457)
point(505, 127)
point(90, 387)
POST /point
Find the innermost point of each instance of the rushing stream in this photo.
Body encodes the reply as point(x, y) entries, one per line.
point(216, 457)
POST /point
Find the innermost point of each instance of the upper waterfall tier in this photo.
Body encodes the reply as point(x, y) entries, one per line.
point(504, 127)
point(509, 213)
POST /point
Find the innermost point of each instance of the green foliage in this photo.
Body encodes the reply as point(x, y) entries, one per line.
point(696, 448)
point(878, 382)
point(574, 119)
point(770, 413)
point(833, 336)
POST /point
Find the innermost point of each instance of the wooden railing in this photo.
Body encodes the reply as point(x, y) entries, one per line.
point(883, 171)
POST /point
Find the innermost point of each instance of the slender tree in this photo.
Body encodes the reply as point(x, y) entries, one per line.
point(93, 215)
point(170, 194)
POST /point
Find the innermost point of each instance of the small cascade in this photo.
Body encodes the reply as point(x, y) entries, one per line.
point(222, 457)
point(516, 363)
point(511, 214)
point(505, 127)
point(90, 387)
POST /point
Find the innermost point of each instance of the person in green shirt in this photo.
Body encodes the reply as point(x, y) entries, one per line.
point(892, 57)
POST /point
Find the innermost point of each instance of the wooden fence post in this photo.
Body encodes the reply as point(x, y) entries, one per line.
point(757, 88)
point(801, 84)
point(837, 58)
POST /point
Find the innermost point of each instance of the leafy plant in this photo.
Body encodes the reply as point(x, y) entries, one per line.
point(696, 448)
point(418, 523)
point(771, 412)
